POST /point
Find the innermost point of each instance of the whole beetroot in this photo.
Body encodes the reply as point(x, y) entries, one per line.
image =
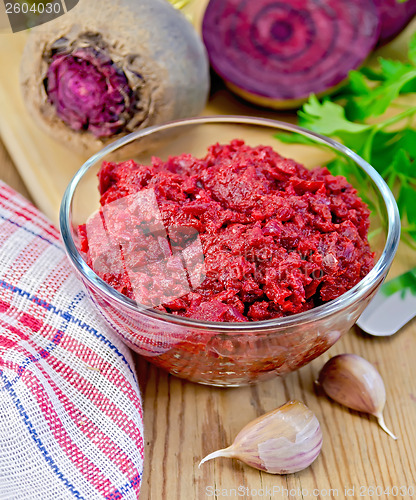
point(110, 67)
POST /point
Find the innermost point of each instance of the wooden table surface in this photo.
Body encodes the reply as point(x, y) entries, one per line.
point(185, 421)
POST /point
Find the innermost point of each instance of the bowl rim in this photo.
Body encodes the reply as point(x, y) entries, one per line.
point(362, 289)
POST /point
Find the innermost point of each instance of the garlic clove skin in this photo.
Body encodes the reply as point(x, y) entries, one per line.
point(283, 441)
point(354, 382)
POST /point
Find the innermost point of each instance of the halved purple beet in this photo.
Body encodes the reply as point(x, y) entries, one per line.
point(395, 16)
point(278, 52)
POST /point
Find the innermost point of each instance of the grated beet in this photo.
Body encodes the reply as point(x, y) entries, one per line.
point(240, 235)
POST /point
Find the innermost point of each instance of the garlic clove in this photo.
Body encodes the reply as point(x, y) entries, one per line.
point(285, 440)
point(354, 382)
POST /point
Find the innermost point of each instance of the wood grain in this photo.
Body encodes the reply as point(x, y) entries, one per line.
point(185, 421)
point(9, 173)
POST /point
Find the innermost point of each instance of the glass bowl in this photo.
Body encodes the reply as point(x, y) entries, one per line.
point(218, 353)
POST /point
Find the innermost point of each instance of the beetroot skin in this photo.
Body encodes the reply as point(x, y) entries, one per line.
point(394, 17)
point(277, 53)
point(276, 238)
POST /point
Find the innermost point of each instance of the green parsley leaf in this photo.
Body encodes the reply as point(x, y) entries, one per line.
point(412, 49)
point(292, 138)
point(403, 166)
point(327, 118)
point(400, 79)
point(403, 282)
point(372, 74)
point(387, 147)
point(391, 69)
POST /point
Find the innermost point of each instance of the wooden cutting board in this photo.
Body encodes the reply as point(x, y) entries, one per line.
point(46, 166)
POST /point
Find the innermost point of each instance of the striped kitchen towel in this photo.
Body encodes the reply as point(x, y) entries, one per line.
point(71, 421)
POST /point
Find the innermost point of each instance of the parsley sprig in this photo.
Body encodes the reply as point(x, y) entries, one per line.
point(404, 284)
point(357, 116)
